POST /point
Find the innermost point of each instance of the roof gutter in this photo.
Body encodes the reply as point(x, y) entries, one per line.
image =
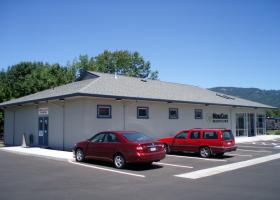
point(3, 106)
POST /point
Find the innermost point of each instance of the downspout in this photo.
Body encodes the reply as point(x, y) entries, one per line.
point(14, 127)
point(63, 125)
point(124, 115)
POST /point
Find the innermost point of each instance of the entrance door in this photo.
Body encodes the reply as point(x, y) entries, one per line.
point(43, 131)
point(251, 124)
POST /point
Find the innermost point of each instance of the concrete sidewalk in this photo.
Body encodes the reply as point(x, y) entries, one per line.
point(66, 155)
point(244, 139)
point(40, 152)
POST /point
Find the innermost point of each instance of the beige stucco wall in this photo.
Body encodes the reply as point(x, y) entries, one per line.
point(73, 120)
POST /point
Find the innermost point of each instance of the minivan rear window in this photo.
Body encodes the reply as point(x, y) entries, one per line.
point(136, 137)
point(227, 135)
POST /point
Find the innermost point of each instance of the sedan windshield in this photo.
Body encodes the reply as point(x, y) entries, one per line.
point(136, 137)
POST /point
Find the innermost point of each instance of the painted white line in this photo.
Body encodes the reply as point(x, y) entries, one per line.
point(215, 160)
point(263, 143)
point(274, 144)
point(253, 143)
point(233, 154)
point(173, 165)
point(229, 167)
point(257, 151)
point(106, 169)
point(277, 146)
point(254, 147)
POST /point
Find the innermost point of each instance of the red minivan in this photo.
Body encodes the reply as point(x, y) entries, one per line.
point(206, 142)
point(120, 147)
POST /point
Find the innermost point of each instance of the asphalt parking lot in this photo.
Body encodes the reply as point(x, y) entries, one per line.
point(180, 163)
point(32, 178)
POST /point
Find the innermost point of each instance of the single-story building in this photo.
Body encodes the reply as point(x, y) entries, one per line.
point(61, 116)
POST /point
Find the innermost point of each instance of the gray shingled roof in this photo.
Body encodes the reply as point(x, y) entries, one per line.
point(107, 85)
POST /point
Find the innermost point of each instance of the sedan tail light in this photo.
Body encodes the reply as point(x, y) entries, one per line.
point(139, 148)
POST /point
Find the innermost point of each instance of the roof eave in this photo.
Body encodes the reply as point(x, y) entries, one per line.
point(3, 105)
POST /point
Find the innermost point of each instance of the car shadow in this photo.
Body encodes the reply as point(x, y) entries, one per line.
point(195, 155)
point(129, 166)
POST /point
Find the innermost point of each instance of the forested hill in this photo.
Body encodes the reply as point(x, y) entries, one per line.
point(269, 97)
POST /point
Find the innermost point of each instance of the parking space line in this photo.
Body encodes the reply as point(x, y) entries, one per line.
point(255, 147)
point(234, 154)
point(106, 169)
point(257, 151)
point(229, 167)
point(173, 165)
point(188, 157)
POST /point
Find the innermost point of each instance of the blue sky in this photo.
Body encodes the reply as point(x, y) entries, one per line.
point(205, 43)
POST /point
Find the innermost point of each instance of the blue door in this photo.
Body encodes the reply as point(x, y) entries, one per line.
point(43, 131)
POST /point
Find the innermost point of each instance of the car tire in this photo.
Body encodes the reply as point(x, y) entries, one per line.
point(166, 148)
point(205, 152)
point(119, 161)
point(80, 156)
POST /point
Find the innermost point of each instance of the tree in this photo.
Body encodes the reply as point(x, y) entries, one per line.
point(121, 62)
point(273, 113)
point(27, 78)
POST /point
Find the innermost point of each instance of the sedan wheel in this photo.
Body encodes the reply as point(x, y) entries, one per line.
point(80, 156)
point(119, 161)
point(205, 152)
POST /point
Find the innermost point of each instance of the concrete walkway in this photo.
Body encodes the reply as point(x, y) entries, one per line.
point(244, 139)
point(66, 155)
point(40, 152)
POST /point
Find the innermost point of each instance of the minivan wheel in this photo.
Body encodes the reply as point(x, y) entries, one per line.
point(119, 161)
point(166, 148)
point(80, 156)
point(205, 152)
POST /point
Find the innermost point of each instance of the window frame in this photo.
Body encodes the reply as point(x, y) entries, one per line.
point(147, 111)
point(97, 135)
point(186, 137)
point(198, 110)
point(177, 113)
point(106, 135)
point(199, 132)
point(217, 135)
point(103, 116)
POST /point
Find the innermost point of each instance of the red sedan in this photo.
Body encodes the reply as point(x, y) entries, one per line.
point(120, 147)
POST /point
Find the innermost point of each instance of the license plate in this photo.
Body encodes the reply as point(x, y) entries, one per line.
point(153, 149)
point(229, 143)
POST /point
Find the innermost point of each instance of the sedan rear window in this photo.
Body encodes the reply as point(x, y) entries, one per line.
point(136, 137)
point(227, 135)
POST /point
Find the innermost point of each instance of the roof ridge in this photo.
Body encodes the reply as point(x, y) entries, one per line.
point(88, 85)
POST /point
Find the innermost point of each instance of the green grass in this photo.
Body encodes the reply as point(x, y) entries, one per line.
point(1, 143)
point(273, 132)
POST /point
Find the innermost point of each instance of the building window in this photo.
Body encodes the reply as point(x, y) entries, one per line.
point(241, 124)
point(104, 111)
point(173, 113)
point(260, 124)
point(198, 114)
point(142, 112)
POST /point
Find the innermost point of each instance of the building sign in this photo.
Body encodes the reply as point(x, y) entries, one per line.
point(220, 118)
point(43, 111)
